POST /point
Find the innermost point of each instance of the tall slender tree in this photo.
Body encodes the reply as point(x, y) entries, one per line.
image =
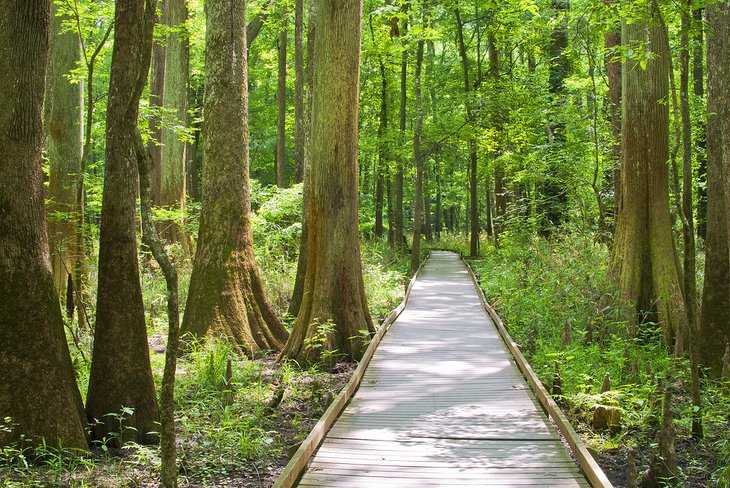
point(644, 261)
point(418, 160)
point(333, 304)
point(173, 179)
point(299, 78)
point(226, 296)
point(714, 331)
point(473, 199)
point(121, 376)
point(281, 103)
point(37, 390)
point(63, 126)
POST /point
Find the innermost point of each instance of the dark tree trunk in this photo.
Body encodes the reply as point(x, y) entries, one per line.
point(226, 297)
point(121, 376)
point(644, 262)
point(553, 192)
point(398, 234)
point(700, 141)
point(281, 104)
point(473, 198)
point(63, 126)
point(714, 326)
point(333, 304)
point(382, 151)
point(612, 42)
point(299, 91)
point(438, 222)
point(37, 390)
point(418, 160)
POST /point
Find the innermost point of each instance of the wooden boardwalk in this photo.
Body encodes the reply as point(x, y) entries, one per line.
point(442, 403)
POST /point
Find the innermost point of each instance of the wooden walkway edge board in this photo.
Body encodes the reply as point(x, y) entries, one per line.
point(587, 463)
point(298, 462)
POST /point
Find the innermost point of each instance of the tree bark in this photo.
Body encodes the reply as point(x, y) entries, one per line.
point(382, 150)
point(297, 293)
point(613, 66)
point(168, 452)
point(553, 192)
point(473, 198)
point(700, 141)
point(156, 102)
point(63, 126)
point(38, 389)
point(299, 91)
point(398, 234)
point(174, 151)
point(121, 376)
point(334, 310)
point(226, 297)
point(418, 159)
point(714, 326)
point(643, 260)
point(281, 104)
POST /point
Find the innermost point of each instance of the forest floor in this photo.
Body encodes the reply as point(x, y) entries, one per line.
point(246, 443)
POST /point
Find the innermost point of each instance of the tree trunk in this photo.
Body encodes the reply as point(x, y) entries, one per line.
point(281, 104)
point(714, 326)
point(382, 150)
point(38, 389)
point(398, 234)
point(473, 199)
point(297, 293)
point(226, 297)
point(612, 42)
point(643, 261)
point(299, 91)
point(553, 192)
point(418, 159)
point(63, 126)
point(156, 102)
point(700, 141)
point(121, 376)
point(333, 311)
point(173, 180)
point(168, 452)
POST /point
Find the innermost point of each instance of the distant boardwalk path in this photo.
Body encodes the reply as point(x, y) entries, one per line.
point(442, 403)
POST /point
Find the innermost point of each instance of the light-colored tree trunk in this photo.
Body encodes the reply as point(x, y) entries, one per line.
point(644, 262)
point(173, 180)
point(63, 100)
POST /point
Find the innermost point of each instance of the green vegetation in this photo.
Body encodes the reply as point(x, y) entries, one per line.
point(558, 305)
